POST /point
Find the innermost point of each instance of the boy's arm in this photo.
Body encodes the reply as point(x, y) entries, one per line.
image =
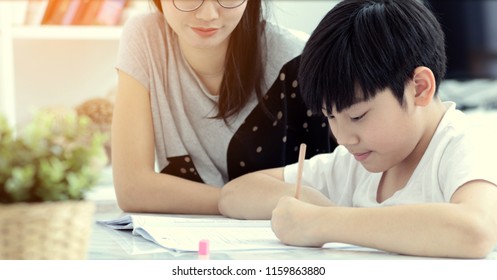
point(255, 195)
point(464, 228)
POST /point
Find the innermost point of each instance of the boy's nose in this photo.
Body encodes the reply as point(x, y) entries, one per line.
point(344, 135)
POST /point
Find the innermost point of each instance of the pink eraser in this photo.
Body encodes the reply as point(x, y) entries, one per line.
point(203, 247)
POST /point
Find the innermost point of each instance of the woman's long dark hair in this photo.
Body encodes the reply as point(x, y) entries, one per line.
point(244, 69)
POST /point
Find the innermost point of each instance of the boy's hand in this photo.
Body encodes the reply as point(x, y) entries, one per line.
point(315, 197)
point(296, 223)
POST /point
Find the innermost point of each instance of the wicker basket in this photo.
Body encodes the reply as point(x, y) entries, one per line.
point(48, 230)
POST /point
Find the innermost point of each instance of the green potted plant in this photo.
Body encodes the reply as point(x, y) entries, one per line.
point(45, 170)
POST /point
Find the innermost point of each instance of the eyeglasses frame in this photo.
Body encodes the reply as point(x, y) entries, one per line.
point(202, 2)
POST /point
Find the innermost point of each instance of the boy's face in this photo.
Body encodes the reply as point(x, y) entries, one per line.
point(380, 133)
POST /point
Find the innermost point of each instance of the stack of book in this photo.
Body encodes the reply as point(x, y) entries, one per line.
point(74, 12)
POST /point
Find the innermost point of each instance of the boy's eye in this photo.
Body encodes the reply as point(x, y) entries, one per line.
point(359, 117)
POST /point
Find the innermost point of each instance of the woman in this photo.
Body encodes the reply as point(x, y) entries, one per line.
point(205, 94)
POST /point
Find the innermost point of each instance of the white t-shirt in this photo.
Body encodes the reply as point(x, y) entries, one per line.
point(459, 152)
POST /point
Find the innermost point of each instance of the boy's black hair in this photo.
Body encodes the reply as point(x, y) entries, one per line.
point(364, 46)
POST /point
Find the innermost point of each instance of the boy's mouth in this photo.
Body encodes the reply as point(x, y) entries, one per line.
point(361, 156)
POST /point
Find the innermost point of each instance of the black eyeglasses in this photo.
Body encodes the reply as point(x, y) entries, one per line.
point(192, 5)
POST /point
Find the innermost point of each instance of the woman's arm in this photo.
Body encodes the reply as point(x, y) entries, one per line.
point(464, 228)
point(138, 187)
point(255, 195)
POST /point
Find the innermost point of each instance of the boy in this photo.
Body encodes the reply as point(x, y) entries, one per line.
point(411, 175)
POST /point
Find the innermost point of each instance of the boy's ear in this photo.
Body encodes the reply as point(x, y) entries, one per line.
point(424, 85)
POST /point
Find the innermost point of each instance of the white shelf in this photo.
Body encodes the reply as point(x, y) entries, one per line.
point(33, 58)
point(54, 32)
point(7, 91)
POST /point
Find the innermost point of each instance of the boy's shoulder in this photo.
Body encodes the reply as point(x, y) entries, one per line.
point(456, 123)
point(462, 150)
point(458, 135)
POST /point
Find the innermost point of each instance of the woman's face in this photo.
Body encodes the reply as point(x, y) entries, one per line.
point(209, 26)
